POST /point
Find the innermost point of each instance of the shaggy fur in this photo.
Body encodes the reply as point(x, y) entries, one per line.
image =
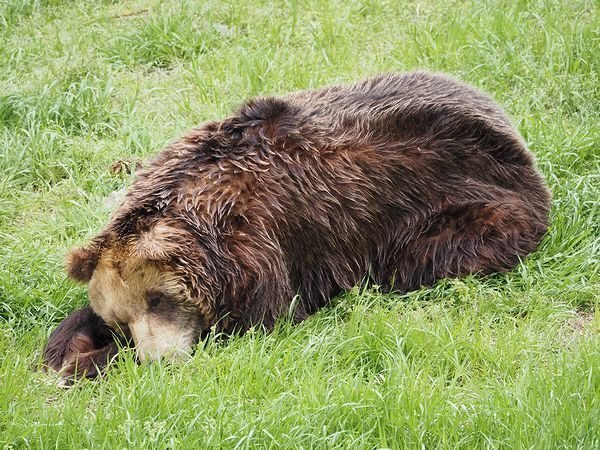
point(81, 345)
point(401, 178)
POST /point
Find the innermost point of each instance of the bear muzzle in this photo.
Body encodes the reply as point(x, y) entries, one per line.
point(155, 340)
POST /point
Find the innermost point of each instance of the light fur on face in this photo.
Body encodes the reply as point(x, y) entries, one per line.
point(157, 339)
point(119, 293)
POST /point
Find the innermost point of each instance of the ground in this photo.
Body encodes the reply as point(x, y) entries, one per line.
point(509, 361)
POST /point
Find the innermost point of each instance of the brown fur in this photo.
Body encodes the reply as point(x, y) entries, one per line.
point(404, 178)
point(82, 345)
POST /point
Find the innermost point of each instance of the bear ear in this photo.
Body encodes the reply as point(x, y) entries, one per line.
point(81, 263)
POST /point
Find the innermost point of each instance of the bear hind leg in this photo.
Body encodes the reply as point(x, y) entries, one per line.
point(479, 237)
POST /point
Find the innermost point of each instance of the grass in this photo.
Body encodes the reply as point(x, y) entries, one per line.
point(507, 361)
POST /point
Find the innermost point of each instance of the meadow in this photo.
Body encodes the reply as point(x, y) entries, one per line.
point(505, 361)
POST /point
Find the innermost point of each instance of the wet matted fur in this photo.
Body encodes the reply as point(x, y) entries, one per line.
point(402, 178)
point(82, 345)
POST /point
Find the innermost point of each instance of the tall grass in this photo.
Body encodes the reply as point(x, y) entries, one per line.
point(506, 361)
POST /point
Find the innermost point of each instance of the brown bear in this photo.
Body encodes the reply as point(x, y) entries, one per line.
point(401, 179)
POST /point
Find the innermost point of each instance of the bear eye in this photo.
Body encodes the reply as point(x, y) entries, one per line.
point(154, 299)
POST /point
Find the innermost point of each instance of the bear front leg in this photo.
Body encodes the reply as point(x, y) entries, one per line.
point(81, 346)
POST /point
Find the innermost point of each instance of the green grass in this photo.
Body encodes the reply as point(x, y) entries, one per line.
point(508, 361)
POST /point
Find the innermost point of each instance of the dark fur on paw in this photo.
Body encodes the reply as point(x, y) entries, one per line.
point(82, 346)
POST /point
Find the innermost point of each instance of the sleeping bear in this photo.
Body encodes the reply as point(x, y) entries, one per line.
point(400, 179)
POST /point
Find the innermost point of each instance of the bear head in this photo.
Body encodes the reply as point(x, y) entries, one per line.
point(140, 286)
